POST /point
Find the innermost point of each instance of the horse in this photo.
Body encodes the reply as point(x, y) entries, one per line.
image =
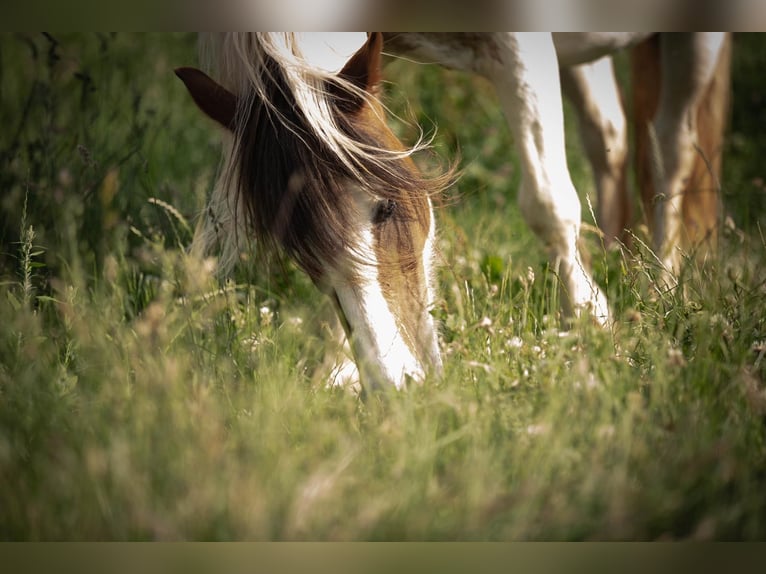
point(311, 167)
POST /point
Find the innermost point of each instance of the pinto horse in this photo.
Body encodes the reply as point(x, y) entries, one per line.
point(311, 167)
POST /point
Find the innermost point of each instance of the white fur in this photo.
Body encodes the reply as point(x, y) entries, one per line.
point(524, 70)
point(428, 325)
point(308, 61)
point(574, 48)
point(382, 354)
point(527, 82)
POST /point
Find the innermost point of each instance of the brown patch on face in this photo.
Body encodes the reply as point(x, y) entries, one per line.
point(401, 222)
point(399, 243)
point(400, 232)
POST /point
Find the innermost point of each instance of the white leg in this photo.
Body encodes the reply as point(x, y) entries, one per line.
point(526, 76)
point(688, 61)
point(593, 90)
point(524, 69)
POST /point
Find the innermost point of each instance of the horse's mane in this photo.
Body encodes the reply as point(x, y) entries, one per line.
point(294, 152)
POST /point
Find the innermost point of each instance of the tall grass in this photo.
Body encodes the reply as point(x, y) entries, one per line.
point(142, 398)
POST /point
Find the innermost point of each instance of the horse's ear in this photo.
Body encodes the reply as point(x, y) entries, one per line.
point(363, 70)
point(217, 102)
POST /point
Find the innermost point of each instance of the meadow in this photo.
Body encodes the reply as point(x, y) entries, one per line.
point(143, 398)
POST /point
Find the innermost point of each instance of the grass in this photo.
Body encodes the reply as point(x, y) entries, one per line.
point(142, 399)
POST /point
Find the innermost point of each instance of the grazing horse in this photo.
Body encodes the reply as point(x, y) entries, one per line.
point(311, 167)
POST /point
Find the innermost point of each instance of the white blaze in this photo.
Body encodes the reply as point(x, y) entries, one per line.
point(379, 348)
point(382, 354)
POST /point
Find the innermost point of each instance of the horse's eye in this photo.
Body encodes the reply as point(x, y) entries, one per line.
point(383, 211)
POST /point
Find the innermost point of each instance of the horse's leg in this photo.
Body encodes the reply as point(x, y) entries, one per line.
point(593, 90)
point(524, 70)
point(700, 195)
point(645, 71)
point(701, 203)
point(525, 73)
point(688, 62)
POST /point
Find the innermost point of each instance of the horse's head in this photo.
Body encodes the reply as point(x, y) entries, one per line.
point(319, 174)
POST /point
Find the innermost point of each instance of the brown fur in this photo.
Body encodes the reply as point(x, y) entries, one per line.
point(216, 101)
point(401, 223)
point(294, 190)
point(701, 201)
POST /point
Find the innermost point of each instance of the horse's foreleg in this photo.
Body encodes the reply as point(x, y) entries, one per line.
point(702, 196)
point(525, 74)
point(592, 89)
